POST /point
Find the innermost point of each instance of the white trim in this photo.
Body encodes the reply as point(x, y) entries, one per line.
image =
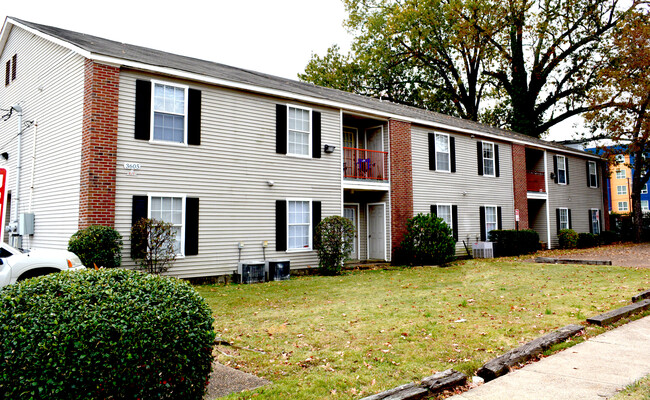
point(589, 162)
point(282, 93)
point(496, 215)
point(435, 139)
point(357, 224)
point(627, 206)
point(309, 133)
point(547, 205)
point(368, 228)
point(619, 192)
point(310, 229)
point(645, 189)
point(183, 205)
point(381, 134)
point(568, 220)
point(356, 133)
point(155, 82)
point(494, 157)
point(451, 213)
point(622, 171)
point(566, 175)
point(600, 223)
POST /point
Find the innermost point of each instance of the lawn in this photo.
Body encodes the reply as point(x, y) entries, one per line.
point(639, 390)
point(367, 331)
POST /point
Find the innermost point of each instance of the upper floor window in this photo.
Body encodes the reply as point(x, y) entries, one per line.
point(621, 189)
point(169, 113)
point(619, 158)
point(622, 206)
point(488, 159)
point(299, 134)
point(645, 189)
point(620, 174)
point(561, 170)
point(592, 173)
point(442, 153)
point(644, 205)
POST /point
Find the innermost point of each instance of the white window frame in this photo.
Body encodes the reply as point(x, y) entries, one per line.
point(595, 173)
point(564, 218)
point(620, 174)
point(645, 189)
point(561, 166)
point(623, 206)
point(596, 212)
point(486, 159)
point(644, 205)
point(153, 112)
point(621, 190)
point(309, 228)
point(496, 220)
point(451, 216)
point(181, 253)
point(448, 153)
point(309, 133)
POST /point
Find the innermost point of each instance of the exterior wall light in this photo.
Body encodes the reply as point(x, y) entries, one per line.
point(329, 148)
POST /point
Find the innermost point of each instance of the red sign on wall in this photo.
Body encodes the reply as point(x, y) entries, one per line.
point(3, 201)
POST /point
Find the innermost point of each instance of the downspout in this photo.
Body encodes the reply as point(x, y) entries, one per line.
point(16, 197)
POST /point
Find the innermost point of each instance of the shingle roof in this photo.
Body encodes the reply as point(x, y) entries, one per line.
point(105, 47)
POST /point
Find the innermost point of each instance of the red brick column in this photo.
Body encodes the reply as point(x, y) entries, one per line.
point(520, 183)
point(603, 186)
point(99, 145)
point(401, 179)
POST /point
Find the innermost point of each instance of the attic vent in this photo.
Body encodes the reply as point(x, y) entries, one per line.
point(8, 73)
point(14, 60)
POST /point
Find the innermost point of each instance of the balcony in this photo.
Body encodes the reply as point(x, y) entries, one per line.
point(369, 165)
point(535, 181)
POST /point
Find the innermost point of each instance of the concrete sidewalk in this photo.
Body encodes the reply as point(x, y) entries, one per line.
point(595, 369)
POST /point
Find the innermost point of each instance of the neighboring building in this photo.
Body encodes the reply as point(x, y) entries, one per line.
point(245, 164)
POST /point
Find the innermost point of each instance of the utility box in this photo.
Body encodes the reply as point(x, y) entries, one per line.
point(483, 250)
point(277, 270)
point(250, 272)
point(26, 224)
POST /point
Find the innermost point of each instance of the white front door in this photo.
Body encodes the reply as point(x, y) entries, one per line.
point(377, 231)
point(350, 212)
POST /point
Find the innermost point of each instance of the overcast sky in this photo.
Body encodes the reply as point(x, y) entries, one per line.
point(276, 37)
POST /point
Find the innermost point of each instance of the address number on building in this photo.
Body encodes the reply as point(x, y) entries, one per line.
point(131, 165)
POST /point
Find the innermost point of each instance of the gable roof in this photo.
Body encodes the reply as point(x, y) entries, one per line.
point(105, 50)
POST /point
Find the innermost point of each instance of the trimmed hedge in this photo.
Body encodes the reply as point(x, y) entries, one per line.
point(609, 237)
point(97, 245)
point(586, 240)
point(103, 334)
point(568, 239)
point(509, 242)
point(428, 241)
point(333, 241)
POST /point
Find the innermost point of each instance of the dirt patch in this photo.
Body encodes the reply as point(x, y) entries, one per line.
point(225, 380)
point(622, 254)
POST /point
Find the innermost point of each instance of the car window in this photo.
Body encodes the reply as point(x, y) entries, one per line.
point(4, 253)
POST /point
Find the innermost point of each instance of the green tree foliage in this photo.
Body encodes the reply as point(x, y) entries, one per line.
point(153, 245)
point(428, 241)
point(97, 245)
point(333, 241)
point(626, 88)
point(106, 334)
point(535, 60)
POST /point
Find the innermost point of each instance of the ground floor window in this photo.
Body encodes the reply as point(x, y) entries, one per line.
point(299, 224)
point(594, 216)
point(564, 218)
point(622, 206)
point(170, 210)
point(644, 205)
point(491, 221)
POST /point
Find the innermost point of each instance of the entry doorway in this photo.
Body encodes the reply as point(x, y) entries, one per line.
point(377, 231)
point(351, 212)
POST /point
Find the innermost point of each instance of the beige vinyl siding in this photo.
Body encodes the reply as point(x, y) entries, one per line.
point(576, 196)
point(228, 172)
point(464, 188)
point(49, 86)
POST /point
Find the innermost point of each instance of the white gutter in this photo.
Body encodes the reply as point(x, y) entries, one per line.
point(282, 93)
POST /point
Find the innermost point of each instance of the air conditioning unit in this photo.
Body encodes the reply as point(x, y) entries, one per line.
point(250, 272)
point(482, 250)
point(277, 270)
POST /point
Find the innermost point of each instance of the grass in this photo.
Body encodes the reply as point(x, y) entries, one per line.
point(367, 331)
point(639, 390)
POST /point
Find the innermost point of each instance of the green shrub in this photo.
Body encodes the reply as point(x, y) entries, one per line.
point(586, 240)
point(608, 237)
point(105, 334)
point(97, 245)
point(568, 239)
point(333, 242)
point(428, 241)
point(513, 242)
point(153, 245)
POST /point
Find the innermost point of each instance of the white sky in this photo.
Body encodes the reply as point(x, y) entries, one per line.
point(276, 37)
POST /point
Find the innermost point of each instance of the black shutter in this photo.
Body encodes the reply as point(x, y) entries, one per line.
point(557, 219)
point(499, 219)
point(482, 219)
point(588, 176)
point(555, 168)
point(566, 169)
point(496, 161)
point(570, 224)
point(479, 158)
point(434, 210)
point(281, 130)
point(454, 221)
point(315, 134)
point(591, 225)
point(280, 225)
point(596, 173)
point(194, 117)
point(191, 226)
point(432, 151)
point(142, 109)
point(452, 153)
point(316, 216)
point(139, 210)
point(600, 226)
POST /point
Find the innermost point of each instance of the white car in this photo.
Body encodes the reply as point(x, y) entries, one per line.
point(16, 265)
